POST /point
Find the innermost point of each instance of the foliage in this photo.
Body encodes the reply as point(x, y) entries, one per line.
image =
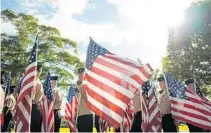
point(56, 54)
point(189, 48)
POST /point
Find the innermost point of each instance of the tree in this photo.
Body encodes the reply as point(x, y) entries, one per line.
point(55, 53)
point(189, 48)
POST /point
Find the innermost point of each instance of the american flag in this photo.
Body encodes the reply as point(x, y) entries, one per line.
point(103, 79)
point(103, 125)
point(151, 113)
point(128, 118)
point(71, 108)
point(187, 105)
point(46, 107)
point(23, 107)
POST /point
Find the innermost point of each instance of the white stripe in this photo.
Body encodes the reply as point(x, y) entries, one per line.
point(125, 59)
point(68, 112)
point(29, 75)
point(106, 95)
point(118, 74)
point(73, 108)
point(127, 67)
point(42, 129)
point(19, 127)
point(113, 85)
point(30, 84)
point(52, 119)
point(199, 121)
point(28, 99)
point(152, 115)
point(199, 99)
point(24, 111)
point(31, 65)
point(178, 106)
point(105, 109)
point(190, 103)
point(153, 98)
point(46, 111)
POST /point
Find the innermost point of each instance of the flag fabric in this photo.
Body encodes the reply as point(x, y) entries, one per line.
point(23, 107)
point(151, 114)
point(103, 78)
point(46, 107)
point(199, 92)
point(187, 105)
point(128, 118)
point(71, 108)
point(103, 125)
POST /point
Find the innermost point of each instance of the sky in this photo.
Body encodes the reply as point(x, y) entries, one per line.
point(129, 28)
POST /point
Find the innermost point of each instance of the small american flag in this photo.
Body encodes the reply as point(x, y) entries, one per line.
point(71, 108)
point(128, 118)
point(46, 107)
point(103, 79)
point(23, 107)
point(151, 113)
point(187, 105)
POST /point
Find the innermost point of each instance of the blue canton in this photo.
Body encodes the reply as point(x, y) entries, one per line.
point(176, 89)
point(94, 50)
point(146, 88)
point(47, 87)
point(33, 57)
point(72, 93)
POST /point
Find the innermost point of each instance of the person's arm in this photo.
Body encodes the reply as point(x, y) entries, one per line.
point(82, 92)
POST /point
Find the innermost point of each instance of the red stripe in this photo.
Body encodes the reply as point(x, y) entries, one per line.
point(115, 79)
point(104, 116)
point(140, 68)
point(119, 69)
point(193, 123)
point(106, 88)
point(20, 113)
point(190, 114)
point(22, 95)
point(30, 70)
point(105, 102)
point(186, 105)
point(202, 100)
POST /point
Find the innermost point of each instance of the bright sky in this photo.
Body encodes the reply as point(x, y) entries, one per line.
point(129, 28)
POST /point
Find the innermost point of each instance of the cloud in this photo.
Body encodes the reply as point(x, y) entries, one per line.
point(146, 22)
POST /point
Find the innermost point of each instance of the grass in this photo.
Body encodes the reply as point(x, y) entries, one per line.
point(182, 128)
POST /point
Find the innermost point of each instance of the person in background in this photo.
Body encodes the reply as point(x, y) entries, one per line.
point(136, 127)
point(37, 94)
point(57, 96)
point(85, 116)
point(8, 109)
point(168, 123)
point(190, 85)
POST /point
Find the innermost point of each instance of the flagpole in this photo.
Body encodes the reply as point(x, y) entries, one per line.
point(79, 100)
